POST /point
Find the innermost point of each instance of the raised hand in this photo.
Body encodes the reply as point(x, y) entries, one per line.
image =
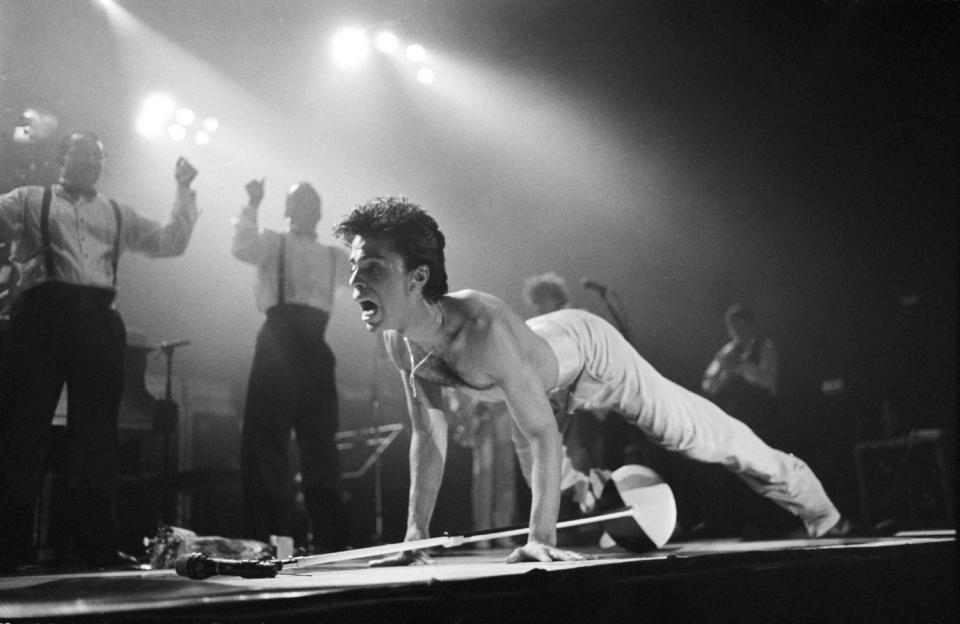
point(184, 172)
point(255, 192)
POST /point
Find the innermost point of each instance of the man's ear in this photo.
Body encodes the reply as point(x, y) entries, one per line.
point(421, 275)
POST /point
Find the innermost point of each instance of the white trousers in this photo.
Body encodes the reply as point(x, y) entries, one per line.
point(603, 370)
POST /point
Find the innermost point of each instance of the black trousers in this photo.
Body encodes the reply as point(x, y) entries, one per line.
point(292, 387)
point(61, 334)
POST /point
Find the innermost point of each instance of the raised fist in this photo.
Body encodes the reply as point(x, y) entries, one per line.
point(184, 172)
point(255, 192)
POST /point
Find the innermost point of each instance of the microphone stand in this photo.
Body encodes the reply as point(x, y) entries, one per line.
point(165, 423)
point(618, 320)
point(373, 436)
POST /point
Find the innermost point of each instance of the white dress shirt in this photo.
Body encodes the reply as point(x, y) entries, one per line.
point(312, 270)
point(83, 234)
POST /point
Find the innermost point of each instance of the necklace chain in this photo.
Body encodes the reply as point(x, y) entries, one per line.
point(415, 366)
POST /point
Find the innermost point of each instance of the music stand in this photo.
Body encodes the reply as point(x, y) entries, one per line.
point(378, 439)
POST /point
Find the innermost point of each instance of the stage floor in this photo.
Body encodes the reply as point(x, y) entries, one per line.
point(891, 579)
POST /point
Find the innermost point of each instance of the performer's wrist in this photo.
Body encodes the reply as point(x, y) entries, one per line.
point(548, 538)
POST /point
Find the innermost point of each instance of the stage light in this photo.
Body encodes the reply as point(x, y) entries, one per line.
point(34, 125)
point(350, 47)
point(160, 112)
point(425, 75)
point(21, 134)
point(42, 124)
point(416, 53)
point(185, 117)
point(154, 113)
point(387, 42)
point(147, 128)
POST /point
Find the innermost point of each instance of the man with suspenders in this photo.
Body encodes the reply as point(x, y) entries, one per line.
point(292, 382)
point(66, 240)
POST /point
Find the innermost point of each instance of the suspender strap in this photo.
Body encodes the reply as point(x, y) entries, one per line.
point(45, 232)
point(116, 242)
point(281, 269)
point(45, 236)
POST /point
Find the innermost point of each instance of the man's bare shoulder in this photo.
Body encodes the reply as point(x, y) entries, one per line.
point(477, 299)
point(482, 312)
point(489, 329)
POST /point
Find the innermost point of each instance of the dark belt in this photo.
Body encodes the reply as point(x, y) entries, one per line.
point(69, 298)
point(298, 314)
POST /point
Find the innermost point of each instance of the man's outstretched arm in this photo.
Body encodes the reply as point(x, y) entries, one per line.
point(428, 453)
point(533, 416)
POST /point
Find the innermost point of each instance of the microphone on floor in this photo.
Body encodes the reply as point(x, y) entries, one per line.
point(201, 566)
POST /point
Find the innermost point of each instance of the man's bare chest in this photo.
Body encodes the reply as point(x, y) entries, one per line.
point(453, 368)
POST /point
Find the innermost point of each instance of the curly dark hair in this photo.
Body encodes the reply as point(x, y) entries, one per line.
point(413, 234)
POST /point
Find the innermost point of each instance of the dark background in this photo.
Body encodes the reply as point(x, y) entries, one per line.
point(801, 157)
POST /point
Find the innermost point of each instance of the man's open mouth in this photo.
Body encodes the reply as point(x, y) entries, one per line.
point(368, 309)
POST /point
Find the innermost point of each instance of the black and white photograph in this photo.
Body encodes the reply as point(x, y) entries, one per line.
point(478, 311)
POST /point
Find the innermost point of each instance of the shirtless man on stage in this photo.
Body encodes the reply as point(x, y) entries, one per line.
point(474, 341)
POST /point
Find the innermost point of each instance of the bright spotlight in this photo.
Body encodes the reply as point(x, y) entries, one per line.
point(158, 103)
point(201, 138)
point(416, 53)
point(387, 42)
point(425, 75)
point(154, 112)
point(148, 127)
point(350, 47)
point(210, 124)
point(177, 132)
point(185, 116)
